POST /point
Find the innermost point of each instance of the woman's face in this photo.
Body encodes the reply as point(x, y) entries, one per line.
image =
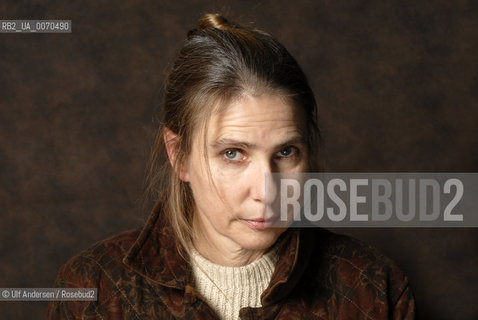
point(251, 137)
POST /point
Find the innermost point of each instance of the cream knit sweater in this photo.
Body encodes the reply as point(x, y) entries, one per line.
point(228, 289)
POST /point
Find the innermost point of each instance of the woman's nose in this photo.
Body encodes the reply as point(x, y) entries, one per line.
point(263, 187)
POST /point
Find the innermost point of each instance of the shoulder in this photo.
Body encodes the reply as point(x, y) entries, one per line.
point(100, 266)
point(360, 274)
point(348, 256)
point(102, 258)
point(356, 264)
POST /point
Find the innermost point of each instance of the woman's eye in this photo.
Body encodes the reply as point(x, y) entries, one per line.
point(287, 152)
point(232, 154)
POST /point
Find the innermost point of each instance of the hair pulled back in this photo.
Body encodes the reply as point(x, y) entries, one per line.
point(219, 62)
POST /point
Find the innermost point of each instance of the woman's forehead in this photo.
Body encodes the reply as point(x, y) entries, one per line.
point(256, 118)
point(252, 110)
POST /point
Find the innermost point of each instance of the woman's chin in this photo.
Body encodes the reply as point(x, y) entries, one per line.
point(259, 240)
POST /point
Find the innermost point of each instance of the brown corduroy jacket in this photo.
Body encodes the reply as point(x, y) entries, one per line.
point(319, 275)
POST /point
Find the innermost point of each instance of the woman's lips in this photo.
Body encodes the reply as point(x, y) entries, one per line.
point(260, 224)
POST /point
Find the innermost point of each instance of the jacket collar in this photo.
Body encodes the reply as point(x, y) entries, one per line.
point(154, 255)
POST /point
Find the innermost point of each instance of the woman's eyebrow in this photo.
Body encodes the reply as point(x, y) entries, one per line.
point(228, 142)
point(298, 139)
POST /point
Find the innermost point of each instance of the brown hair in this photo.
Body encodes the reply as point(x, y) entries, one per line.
point(218, 62)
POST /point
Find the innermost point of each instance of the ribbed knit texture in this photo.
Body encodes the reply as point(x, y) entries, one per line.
point(228, 289)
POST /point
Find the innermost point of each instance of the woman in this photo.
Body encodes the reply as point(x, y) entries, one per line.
point(236, 107)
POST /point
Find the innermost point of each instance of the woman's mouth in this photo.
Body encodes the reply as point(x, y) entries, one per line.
point(260, 224)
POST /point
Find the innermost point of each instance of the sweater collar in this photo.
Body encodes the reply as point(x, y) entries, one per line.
point(154, 255)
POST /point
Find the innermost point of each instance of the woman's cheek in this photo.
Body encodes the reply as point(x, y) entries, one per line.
point(227, 170)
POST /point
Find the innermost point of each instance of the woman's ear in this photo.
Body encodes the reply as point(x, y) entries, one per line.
point(171, 143)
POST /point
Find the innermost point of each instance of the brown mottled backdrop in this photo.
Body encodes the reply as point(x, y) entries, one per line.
point(396, 82)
